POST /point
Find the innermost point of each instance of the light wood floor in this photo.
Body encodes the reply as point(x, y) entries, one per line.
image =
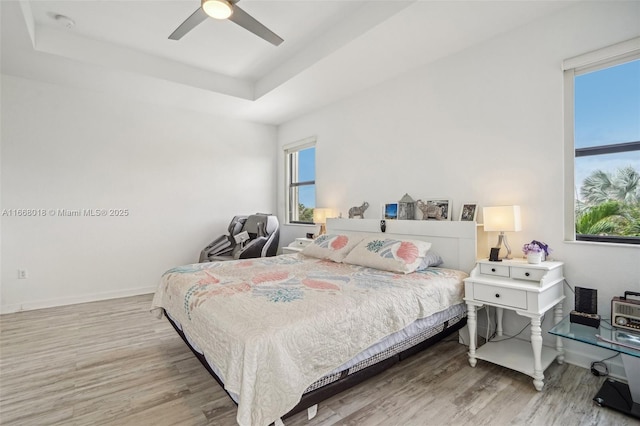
point(114, 363)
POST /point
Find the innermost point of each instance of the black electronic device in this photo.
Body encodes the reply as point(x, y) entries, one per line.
point(599, 368)
point(494, 255)
point(586, 300)
point(383, 225)
point(586, 307)
point(591, 320)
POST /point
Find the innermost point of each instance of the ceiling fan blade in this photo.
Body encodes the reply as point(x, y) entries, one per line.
point(248, 22)
point(190, 23)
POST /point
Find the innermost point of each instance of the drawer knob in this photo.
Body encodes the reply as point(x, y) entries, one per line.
point(493, 269)
point(526, 274)
point(497, 295)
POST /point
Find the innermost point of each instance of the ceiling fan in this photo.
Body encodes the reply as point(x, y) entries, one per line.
point(225, 9)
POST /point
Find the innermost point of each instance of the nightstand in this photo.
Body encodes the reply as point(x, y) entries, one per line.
point(528, 290)
point(296, 245)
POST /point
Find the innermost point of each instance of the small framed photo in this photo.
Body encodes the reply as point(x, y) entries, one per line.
point(390, 211)
point(436, 209)
point(468, 212)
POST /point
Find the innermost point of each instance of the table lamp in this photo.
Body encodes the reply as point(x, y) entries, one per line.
point(502, 219)
point(320, 216)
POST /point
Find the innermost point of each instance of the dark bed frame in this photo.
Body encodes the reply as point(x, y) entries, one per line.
point(346, 381)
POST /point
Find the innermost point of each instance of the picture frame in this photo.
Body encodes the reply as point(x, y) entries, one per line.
point(436, 209)
point(390, 211)
point(468, 212)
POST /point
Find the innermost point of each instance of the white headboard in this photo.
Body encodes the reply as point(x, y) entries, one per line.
point(456, 242)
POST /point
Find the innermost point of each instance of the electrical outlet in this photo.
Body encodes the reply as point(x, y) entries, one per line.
point(22, 274)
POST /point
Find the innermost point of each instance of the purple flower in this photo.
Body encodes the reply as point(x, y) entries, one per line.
point(532, 248)
point(536, 247)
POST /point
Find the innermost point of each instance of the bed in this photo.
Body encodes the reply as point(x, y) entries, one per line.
point(281, 334)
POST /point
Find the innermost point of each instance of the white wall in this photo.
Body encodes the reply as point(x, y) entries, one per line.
point(483, 125)
point(182, 175)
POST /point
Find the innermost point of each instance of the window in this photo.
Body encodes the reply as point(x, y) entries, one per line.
point(602, 102)
point(301, 181)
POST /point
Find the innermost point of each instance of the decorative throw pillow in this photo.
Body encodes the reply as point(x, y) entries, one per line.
point(402, 256)
point(431, 259)
point(332, 246)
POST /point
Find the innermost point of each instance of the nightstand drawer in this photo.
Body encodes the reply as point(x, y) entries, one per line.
point(530, 274)
point(300, 242)
point(500, 295)
point(495, 270)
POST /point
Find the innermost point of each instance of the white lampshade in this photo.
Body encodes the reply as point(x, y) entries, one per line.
point(502, 218)
point(320, 215)
point(219, 9)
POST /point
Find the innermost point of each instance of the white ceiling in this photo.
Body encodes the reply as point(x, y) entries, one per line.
point(332, 49)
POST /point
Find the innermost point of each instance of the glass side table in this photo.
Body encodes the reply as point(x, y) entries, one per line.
point(613, 394)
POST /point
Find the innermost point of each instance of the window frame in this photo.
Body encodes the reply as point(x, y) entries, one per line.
point(607, 57)
point(290, 172)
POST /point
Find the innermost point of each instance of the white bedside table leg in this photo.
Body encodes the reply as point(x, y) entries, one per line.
point(536, 344)
point(471, 324)
point(558, 317)
point(499, 312)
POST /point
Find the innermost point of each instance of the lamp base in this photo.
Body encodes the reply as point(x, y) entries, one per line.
point(503, 239)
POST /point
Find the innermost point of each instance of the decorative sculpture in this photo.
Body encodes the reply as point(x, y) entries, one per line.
point(429, 210)
point(358, 211)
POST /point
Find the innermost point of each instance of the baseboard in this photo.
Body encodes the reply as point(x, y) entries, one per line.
point(581, 359)
point(92, 297)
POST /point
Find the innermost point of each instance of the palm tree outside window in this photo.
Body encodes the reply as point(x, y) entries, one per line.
point(606, 148)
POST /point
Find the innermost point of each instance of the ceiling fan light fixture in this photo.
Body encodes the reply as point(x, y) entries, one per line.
point(218, 9)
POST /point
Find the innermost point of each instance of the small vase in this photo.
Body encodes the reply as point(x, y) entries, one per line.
point(534, 258)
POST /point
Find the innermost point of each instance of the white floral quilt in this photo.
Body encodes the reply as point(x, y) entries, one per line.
point(275, 325)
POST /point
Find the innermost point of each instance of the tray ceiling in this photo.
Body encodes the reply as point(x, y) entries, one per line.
point(332, 48)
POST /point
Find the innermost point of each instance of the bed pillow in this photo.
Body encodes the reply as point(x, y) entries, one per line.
point(332, 246)
point(431, 259)
point(402, 256)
